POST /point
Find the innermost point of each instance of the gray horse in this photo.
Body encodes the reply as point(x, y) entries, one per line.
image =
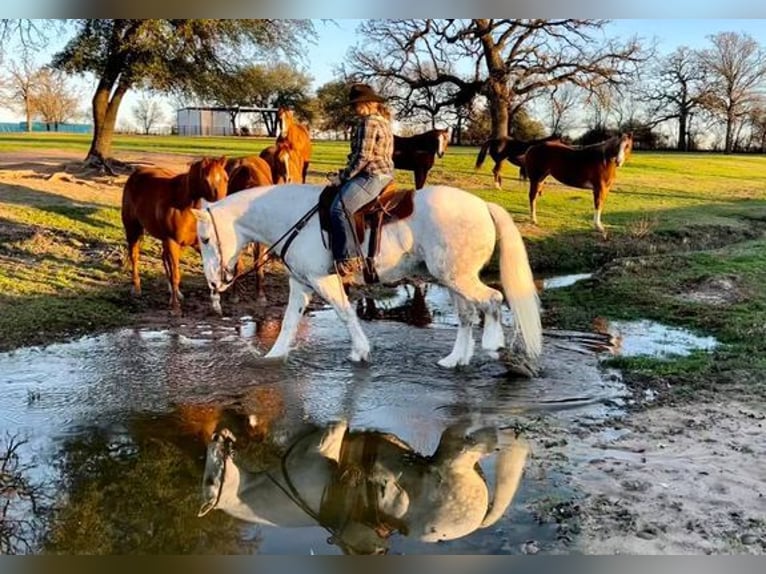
point(362, 486)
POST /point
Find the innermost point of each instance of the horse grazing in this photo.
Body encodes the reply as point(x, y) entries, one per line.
point(417, 153)
point(513, 150)
point(587, 167)
point(363, 486)
point(297, 135)
point(450, 234)
point(159, 201)
point(252, 172)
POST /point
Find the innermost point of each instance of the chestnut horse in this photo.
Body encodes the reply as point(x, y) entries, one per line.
point(250, 172)
point(417, 153)
point(587, 167)
point(513, 150)
point(286, 166)
point(297, 135)
point(159, 201)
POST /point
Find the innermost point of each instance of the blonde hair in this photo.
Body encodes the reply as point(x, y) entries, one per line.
point(378, 108)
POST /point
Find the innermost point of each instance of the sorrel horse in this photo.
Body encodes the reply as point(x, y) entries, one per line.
point(417, 153)
point(451, 234)
point(297, 135)
point(159, 201)
point(364, 486)
point(250, 172)
point(281, 157)
point(500, 149)
point(588, 167)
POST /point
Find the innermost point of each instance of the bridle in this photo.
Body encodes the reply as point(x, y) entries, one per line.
point(293, 232)
point(223, 269)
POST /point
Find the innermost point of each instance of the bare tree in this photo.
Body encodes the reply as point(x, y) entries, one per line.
point(148, 113)
point(56, 100)
point(736, 68)
point(18, 88)
point(510, 62)
point(562, 100)
point(677, 90)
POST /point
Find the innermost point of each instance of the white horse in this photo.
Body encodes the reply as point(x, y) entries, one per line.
point(364, 486)
point(450, 236)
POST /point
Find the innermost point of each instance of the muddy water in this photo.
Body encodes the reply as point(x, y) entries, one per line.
point(112, 429)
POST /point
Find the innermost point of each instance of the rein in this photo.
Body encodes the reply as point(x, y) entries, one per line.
point(295, 230)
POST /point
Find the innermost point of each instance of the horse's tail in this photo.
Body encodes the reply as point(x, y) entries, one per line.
point(518, 282)
point(482, 154)
point(508, 470)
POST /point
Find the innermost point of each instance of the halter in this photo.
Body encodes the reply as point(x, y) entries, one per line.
point(220, 253)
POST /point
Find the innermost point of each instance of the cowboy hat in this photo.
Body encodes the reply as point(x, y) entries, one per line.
point(363, 93)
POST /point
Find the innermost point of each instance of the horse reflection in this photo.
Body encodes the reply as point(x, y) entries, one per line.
point(414, 311)
point(364, 486)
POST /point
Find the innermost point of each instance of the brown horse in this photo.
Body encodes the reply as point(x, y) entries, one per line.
point(513, 150)
point(587, 167)
point(251, 172)
point(297, 135)
point(159, 201)
point(417, 153)
point(285, 167)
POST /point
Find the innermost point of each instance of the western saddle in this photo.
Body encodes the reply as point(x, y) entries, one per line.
point(391, 205)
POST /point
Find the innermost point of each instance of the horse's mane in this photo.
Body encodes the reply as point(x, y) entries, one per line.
point(606, 149)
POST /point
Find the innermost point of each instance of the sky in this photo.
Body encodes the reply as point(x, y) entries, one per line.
point(335, 37)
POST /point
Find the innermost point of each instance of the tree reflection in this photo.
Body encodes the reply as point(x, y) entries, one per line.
point(124, 494)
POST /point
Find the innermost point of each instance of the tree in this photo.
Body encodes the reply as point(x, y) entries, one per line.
point(266, 86)
point(148, 113)
point(736, 68)
point(679, 89)
point(509, 62)
point(563, 99)
point(55, 100)
point(163, 55)
point(332, 104)
point(18, 88)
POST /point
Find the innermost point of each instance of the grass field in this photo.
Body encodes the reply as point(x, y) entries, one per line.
point(675, 222)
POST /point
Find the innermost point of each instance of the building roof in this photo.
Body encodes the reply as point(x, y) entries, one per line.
point(226, 109)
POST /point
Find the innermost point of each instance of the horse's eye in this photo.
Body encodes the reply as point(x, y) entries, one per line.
point(205, 240)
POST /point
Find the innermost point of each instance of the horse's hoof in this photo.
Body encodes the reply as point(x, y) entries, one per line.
point(447, 363)
point(359, 357)
point(175, 312)
point(135, 291)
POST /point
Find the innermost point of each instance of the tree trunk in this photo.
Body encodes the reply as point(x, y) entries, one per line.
point(682, 130)
point(729, 133)
point(104, 119)
point(498, 108)
point(28, 110)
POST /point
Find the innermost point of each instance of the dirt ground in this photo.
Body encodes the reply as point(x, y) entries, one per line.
point(688, 479)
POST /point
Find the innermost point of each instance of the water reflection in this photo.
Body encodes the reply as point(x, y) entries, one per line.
point(412, 311)
point(364, 486)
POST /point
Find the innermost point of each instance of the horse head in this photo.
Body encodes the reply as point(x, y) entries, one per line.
point(626, 147)
point(208, 178)
point(219, 249)
point(285, 170)
point(444, 138)
point(221, 474)
point(284, 121)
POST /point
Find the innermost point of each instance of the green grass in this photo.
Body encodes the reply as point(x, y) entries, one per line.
point(679, 220)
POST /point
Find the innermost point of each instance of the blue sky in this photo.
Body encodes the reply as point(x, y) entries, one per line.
point(337, 36)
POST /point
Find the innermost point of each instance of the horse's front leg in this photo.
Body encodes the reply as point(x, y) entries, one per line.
point(171, 257)
point(300, 296)
point(330, 288)
point(535, 189)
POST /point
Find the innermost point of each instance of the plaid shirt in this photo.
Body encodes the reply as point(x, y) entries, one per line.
point(372, 148)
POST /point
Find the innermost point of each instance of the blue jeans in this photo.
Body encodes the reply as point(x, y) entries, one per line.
point(355, 193)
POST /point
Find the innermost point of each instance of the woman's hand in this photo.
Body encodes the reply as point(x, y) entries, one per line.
point(333, 177)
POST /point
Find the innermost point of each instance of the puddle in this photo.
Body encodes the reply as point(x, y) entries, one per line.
point(562, 281)
point(116, 425)
point(638, 338)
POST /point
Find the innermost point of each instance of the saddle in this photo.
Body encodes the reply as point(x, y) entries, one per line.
point(391, 205)
point(350, 502)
